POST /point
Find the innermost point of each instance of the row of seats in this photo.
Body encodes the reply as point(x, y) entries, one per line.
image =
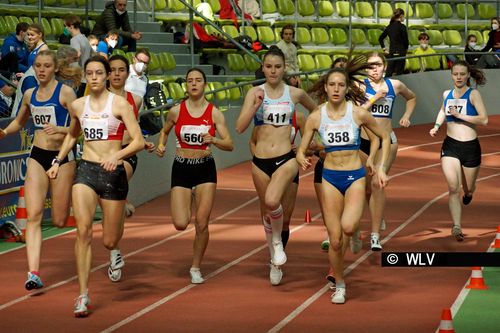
point(52, 27)
point(159, 62)
point(362, 9)
point(339, 36)
point(64, 3)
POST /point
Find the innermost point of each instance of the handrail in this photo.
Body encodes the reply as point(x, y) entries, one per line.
point(216, 27)
point(9, 82)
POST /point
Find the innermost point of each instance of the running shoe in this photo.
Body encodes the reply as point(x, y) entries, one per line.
point(383, 225)
point(196, 277)
point(129, 209)
point(279, 254)
point(338, 297)
point(15, 231)
point(115, 266)
point(355, 242)
point(275, 274)
point(466, 199)
point(456, 231)
point(325, 245)
point(33, 282)
point(82, 306)
point(375, 243)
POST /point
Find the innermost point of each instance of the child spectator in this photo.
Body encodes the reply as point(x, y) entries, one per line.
point(425, 49)
point(106, 46)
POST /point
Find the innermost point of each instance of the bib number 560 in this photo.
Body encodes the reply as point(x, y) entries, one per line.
point(193, 138)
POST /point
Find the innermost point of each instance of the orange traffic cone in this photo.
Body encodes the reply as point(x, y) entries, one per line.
point(476, 279)
point(446, 324)
point(496, 245)
point(70, 221)
point(21, 217)
point(307, 219)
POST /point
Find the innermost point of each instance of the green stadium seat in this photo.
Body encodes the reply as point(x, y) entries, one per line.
point(26, 19)
point(343, 8)
point(277, 34)
point(319, 36)
point(306, 62)
point(10, 23)
point(176, 5)
point(250, 32)
point(461, 11)
point(424, 10)
point(325, 8)
point(154, 63)
point(79, 3)
point(444, 11)
point(266, 34)
point(479, 36)
point(323, 61)
point(286, 7)
point(402, 5)
point(159, 4)
point(364, 9)
point(305, 84)
point(305, 7)
point(230, 30)
point(119, 52)
point(486, 36)
point(452, 37)
point(175, 90)
point(234, 94)
point(221, 95)
point(435, 37)
point(358, 37)
point(373, 35)
point(235, 62)
point(211, 30)
point(486, 11)
point(338, 36)
point(251, 64)
point(384, 10)
point(3, 27)
point(57, 26)
point(412, 65)
point(45, 24)
point(413, 36)
point(432, 63)
point(269, 7)
point(167, 61)
point(215, 5)
point(303, 35)
point(130, 57)
point(66, 2)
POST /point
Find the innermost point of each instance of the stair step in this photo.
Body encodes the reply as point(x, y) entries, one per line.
point(146, 27)
point(156, 37)
point(162, 47)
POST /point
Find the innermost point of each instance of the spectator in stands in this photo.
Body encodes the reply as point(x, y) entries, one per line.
point(470, 46)
point(290, 50)
point(398, 36)
point(424, 49)
point(493, 44)
point(93, 41)
point(14, 52)
point(105, 47)
point(68, 70)
point(36, 41)
point(137, 80)
point(80, 43)
point(6, 93)
point(115, 17)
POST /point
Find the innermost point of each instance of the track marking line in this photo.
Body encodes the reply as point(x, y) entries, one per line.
point(355, 264)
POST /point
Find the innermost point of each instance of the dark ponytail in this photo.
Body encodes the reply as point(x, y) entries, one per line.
point(475, 73)
point(274, 51)
point(398, 12)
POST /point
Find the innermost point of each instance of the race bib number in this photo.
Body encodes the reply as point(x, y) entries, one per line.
point(193, 134)
point(382, 107)
point(277, 114)
point(459, 104)
point(95, 129)
point(338, 135)
point(43, 114)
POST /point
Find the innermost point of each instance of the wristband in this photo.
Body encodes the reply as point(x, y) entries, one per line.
point(437, 125)
point(56, 160)
point(372, 100)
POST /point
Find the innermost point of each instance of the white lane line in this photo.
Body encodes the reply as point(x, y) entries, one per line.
point(438, 142)
point(181, 291)
point(295, 313)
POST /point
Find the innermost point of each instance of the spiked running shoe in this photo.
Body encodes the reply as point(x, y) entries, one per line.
point(275, 274)
point(15, 231)
point(456, 232)
point(82, 306)
point(196, 277)
point(466, 199)
point(375, 243)
point(338, 297)
point(331, 277)
point(279, 254)
point(325, 245)
point(33, 282)
point(383, 225)
point(115, 266)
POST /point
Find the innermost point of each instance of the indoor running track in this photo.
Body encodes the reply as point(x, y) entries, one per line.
point(155, 294)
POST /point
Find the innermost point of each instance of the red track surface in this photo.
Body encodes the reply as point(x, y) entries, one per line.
point(237, 297)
